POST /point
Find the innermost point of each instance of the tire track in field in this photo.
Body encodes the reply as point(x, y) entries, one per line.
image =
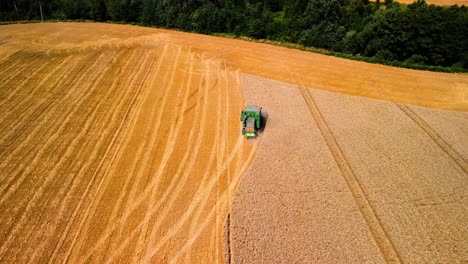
point(37, 74)
point(220, 201)
point(9, 62)
point(142, 146)
point(27, 66)
point(219, 157)
point(182, 164)
point(35, 160)
point(139, 153)
point(144, 194)
point(181, 221)
point(73, 75)
point(169, 147)
point(49, 173)
point(226, 124)
point(64, 188)
point(32, 119)
point(220, 151)
point(70, 186)
point(202, 194)
point(239, 162)
point(118, 157)
point(20, 170)
point(374, 224)
point(229, 92)
point(236, 77)
point(134, 168)
point(231, 188)
point(453, 154)
point(101, 165)
point(12, 61)
point(18, 88)
point(98, 168)
point(175, 193)
point(66, 191)
point(39, 191)
point(171, 186)
point(194, 221)
point(169, 190)
point(228, 246)
point(209, 164)
point(28, 63)
point(112, 115)
point(139, 170)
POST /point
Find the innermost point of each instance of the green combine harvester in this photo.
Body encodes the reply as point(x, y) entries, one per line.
point(251, 118)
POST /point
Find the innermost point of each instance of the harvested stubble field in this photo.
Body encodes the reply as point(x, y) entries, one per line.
point(122, 144)
point(347, 179)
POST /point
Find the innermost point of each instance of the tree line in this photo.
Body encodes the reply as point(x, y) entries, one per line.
point(382, 31)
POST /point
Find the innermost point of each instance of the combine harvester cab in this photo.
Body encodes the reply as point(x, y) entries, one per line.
point(251, 120)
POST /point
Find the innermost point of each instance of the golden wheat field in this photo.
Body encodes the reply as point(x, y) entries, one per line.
point(122, 144)
point(113, 152)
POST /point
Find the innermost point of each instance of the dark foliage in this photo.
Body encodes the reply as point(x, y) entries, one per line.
point(383, 31)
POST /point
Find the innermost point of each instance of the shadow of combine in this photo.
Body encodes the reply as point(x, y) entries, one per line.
point(263, 121)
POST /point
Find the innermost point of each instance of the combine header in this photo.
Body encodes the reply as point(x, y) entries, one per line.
point(251, 118)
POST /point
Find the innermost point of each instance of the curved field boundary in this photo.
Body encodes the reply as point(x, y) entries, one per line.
point(424, 88)
point(376, 229)
point(430, 89)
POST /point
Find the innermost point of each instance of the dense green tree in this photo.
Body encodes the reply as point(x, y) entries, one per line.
point(73, 9)
point(319, 11)
point(98, 10)
point(206, 19)
point(415, 34)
